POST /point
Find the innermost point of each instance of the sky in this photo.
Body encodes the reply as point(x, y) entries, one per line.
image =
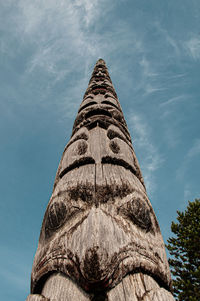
point(48, 50)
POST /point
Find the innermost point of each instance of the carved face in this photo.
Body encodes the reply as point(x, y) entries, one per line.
point(99, 217)
point(99, 224)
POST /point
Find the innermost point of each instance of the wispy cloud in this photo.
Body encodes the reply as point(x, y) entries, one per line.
point(151, 159)
point(149, 81)
point(192, 152)
point(174, 100)
point(57, 31)
point(193, 47)
point(60, 43)
point(168, 38)
point(147, 68)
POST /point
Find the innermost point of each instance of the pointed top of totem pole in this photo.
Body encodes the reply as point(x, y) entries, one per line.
point(100, 61)
point(100, 102)
point(100, 82)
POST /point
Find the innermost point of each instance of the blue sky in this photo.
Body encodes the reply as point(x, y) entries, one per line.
point(48, 51)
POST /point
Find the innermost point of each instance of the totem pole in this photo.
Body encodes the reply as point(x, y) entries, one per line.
point(100, 239)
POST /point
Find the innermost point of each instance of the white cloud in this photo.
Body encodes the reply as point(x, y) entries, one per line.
point(60, 34)
point(149, 80)
point(55, 41)
point(57, 30)
point(147, 68)
point(90, 9)
point(168, 38)
point(192, 152)
point(151, 160)
point(193, 47)
point(174, 100)
point(64, 36)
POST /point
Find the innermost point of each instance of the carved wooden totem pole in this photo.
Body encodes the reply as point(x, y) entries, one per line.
point(100, 239)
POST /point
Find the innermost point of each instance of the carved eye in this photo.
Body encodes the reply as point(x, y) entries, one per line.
point(114, 147)
point(82, 148)
point(140, 214)
point(56, 215)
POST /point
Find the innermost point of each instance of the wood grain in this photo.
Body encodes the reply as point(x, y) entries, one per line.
point(100, 239)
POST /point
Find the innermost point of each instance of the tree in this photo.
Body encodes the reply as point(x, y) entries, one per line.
point(185, 251)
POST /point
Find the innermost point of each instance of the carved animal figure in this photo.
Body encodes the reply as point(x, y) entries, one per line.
point(100, 239)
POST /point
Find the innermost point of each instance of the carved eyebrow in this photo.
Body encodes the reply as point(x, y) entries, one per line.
point(77, 163)
point(113, 134)
point(111, 104)
point(117, 161)
point(111, 96)
point(97, 112)
point(78, 137)
point(89, 96)
point(87, 105)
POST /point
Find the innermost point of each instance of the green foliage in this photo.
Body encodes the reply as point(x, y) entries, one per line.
point(185, 251)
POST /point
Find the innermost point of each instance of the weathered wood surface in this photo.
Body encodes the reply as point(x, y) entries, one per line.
point(136, 287)
point(99, 230)
point(36, 297)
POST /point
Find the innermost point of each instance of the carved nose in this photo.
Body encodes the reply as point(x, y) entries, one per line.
point(100, 231)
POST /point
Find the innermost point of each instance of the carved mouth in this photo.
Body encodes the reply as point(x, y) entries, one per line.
point(68, 267)
point(103, 104)
point(97, 111)
point(100, 86)
point(99, 89)
point(106, 113)
point(95, 89)
point(119, 266)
